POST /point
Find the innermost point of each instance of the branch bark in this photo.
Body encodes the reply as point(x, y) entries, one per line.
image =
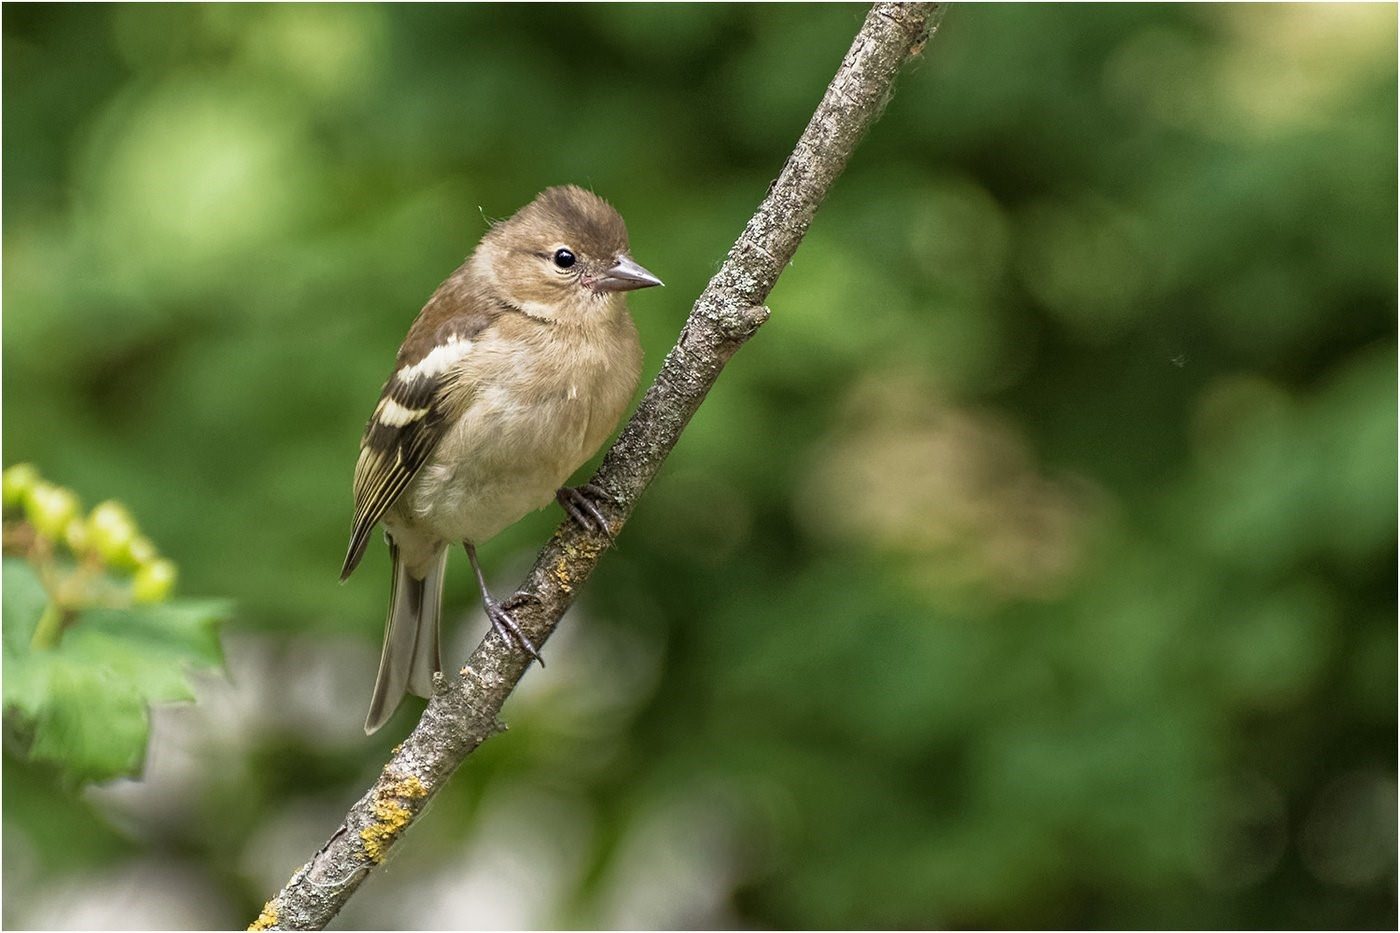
point(463, 711)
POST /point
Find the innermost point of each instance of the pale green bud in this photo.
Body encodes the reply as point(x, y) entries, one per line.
point(49, 508)
point(16, 482)
point(154, 581)
point(75, 535)
point(111, 530)
point(141, 551)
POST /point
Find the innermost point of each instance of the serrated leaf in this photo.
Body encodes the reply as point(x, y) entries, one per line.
point(24, 602)
point(92, 723)
point(26, 683)
point(154, 670)
point(187, 629)
point(83, 704)
point(150, 647)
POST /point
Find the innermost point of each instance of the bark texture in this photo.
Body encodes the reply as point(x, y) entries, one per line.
point(463, 712)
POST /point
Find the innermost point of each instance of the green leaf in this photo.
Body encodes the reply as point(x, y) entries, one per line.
point(83, 705)
point(25, 599)
point(150, 647)
point(154, 673)
point(188, 628)
point(90, 722)
point(26, 683)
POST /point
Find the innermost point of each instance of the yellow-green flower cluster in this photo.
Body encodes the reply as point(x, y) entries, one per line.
point(107, 535)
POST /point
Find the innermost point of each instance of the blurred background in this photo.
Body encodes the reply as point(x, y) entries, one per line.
point(1034, 566)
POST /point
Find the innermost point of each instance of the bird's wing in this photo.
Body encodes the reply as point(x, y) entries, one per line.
point(427, 392)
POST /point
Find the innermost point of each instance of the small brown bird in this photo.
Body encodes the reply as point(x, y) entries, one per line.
point(514, 373)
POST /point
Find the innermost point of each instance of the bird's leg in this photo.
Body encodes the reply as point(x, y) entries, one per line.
point(501, 619)
point(581, 502)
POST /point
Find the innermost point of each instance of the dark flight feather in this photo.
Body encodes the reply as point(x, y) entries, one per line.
point(395, 447)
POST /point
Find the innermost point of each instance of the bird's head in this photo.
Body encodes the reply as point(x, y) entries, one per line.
point(562, 254)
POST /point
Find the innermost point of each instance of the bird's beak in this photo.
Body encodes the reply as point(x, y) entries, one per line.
point(626, 275)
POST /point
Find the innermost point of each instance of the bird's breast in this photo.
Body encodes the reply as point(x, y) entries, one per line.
point(533, 420)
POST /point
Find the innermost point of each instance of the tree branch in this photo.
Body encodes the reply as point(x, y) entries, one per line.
point(463, 712)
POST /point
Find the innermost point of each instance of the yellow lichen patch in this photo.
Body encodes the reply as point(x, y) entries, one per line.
point(561, 575)
point(390, 814)
point(390, 817)
point(267, 919)
point(583, 552)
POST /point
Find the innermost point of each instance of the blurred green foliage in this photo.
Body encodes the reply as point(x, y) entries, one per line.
point(91, 638)
point(1034, 566)
point(82, 706)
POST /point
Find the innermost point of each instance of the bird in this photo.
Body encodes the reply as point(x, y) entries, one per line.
point(514, 373)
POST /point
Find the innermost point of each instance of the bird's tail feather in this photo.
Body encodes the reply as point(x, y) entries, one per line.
point(411, 653)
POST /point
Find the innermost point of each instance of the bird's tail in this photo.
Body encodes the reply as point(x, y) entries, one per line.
point(411, 654)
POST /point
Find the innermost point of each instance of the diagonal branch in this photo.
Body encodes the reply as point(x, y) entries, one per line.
point(462, 713)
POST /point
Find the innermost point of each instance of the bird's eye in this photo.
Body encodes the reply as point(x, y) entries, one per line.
point(563, 258)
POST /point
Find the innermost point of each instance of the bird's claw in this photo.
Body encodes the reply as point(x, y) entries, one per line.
point(506, 627)
point(521, 598)
point(580, 502)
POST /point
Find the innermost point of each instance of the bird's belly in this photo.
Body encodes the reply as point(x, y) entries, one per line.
point(529, 425)
point(498, 462)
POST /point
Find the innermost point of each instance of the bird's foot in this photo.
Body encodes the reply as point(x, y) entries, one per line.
point(505, 625)
point(518, 599)
point(581, 502)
